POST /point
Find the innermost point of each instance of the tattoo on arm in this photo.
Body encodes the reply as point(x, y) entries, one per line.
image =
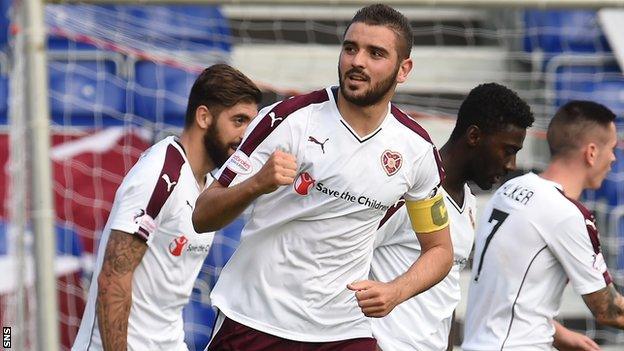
point(123, 254)
point(607, 305)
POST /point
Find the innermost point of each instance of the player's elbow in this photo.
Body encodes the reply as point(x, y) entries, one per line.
point(105, 279)
point(199, 225)
point(202, 223)
point(447, 260)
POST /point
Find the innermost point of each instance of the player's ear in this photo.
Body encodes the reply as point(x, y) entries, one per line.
point(591, 152)
point(473, 135)
point(404, 69)
point(203, 117)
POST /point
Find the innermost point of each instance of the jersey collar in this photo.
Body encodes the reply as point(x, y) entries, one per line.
point(334, 97)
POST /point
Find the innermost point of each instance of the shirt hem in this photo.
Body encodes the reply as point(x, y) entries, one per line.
point(285, 334)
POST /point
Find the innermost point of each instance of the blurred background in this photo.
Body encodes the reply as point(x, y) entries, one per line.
point(118, 77)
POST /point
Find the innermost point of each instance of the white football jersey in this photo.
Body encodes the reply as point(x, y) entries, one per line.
point(424, 321)
point(155, 202)
point(305, 242)
point(531, 239)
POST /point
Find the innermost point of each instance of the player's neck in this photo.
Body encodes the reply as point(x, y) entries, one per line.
point(568, 174)
point(198, 158)
point(363, 120)
point(453, 161)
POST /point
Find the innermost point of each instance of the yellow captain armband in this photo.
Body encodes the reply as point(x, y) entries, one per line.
point(428, 215)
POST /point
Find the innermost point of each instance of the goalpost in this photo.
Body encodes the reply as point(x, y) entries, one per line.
point(102, 66)
point(35, 139)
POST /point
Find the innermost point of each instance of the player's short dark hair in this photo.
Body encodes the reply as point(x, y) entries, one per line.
point(218, 87)
point(572, 122)
point(384, 15)
point(492, 107)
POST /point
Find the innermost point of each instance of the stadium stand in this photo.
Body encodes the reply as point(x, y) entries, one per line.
point(4, 98)
point(563, 31)
point(85, 89)
point(161, 92)
point(99, 81)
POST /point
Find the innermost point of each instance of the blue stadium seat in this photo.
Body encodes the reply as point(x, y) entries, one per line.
point(225, 243)
point(179, 25)
point(608, 93)
point(67, 240)
point(187, 24)
point(5, 22)
point(611, 94)
point(86, 93)
point(612, 191)
point(4, 99)
point(57, 16)
point(234, 229)
point(223, 246)
point(618, 251)
point(603, 84)
point(4, 242)
point(198, 323)
point(199, 318)
point(557, 31)
point(162, 92)
point(56, 42)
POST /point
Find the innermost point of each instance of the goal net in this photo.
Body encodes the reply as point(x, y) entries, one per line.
point(119, 77)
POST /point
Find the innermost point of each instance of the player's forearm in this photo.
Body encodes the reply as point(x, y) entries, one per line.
point(430, 268)
point(612, 313)
point(124, 252)
point(218, 206)
point(607, 305)
point(113, 309)
point(426, 272)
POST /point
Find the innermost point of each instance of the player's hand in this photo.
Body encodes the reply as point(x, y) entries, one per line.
point(280, 169)
point(573, 341)
point(376, 299)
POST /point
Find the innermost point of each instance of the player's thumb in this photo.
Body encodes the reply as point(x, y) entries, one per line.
point(361, 285)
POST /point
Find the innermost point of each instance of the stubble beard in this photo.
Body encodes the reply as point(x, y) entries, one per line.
point(373, 95)
point(217, 151)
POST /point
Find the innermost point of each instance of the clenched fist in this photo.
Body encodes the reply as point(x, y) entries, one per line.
point(280, 169)
point(376, 299)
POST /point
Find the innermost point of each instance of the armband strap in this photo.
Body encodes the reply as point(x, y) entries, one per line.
point(428, 215)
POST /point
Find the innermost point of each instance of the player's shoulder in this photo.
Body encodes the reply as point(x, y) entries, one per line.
point(575, 207)
point(288, 112)
point(556, 201)
point(166, 155)
point(298, 103)
point(409, 126)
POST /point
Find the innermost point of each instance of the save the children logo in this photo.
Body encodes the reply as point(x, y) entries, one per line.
point(304, 183)
point(177, 245)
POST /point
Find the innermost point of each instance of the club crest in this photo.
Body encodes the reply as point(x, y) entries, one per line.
point(391, 162)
